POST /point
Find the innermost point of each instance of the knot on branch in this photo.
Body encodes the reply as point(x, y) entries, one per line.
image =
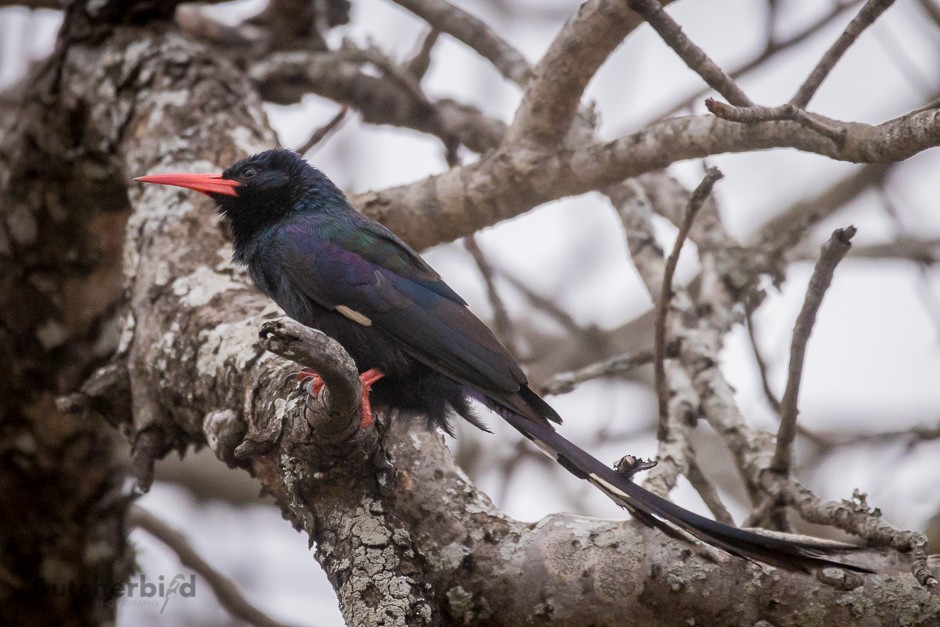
point(335, 414)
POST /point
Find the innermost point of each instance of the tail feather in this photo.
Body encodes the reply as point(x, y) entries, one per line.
point(665, 515)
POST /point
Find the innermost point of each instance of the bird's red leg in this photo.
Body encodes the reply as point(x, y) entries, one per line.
point(367, 378)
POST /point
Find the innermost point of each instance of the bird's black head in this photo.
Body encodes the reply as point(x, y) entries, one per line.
point(260, 190)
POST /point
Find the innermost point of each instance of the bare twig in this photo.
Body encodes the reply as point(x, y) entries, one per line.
point(374, 55)
point(321, 133)
point(831, 254)
point(853, 517)
point(773, 48)
point(913, 435)
point(501, 317)
point(474, 33)
point(418, 64)
point(286, 77)
point(932, 10)
point(292, 24)
point(926, 252)
point(698, 198)
point(543, 303)
point(195, 21)
point(694, 57)
point(565, 382)
point(772, 399)
point(865, 18)
point(761, 512)
point(749, 115)
point(782, 232)
point(224, 588)
point(708, 493)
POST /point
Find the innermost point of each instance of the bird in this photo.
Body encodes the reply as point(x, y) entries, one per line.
point(419, 349)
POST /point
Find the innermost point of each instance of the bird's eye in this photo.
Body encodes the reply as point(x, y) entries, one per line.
point(248, 173)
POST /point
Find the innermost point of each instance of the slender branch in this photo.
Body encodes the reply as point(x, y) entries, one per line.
point(865, 18)
point(762, 369)
point(543, 303)
point(747, 115)
point(474, 33)
point(419, 63)
point(932, 10)
point(694, 57)
point(195, 21)
point(225, 590)
point(699, 196)
point(375, 56)
point(286, 76)
point(565, 382)
point(321, 133)
point(674, 450)
point(831, 254)
point(913, 435)
point(772, 399)
point(925, 252)
point(773, 48)
point(709, 494)
point(501, 317)
point(788, 227)
point(852, 517)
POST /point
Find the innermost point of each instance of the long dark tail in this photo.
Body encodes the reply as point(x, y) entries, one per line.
point(667, 516)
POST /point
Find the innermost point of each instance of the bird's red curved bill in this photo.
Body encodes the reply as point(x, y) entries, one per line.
point(205, 183)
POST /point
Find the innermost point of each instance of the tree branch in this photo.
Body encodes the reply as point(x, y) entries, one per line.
point(831, 254)
point(553, 94)
point(751, 114)
point(865, 18)
point(473, 32)
point(694, 57)
point(665, 295)
point(224, 588)
point(505, 182)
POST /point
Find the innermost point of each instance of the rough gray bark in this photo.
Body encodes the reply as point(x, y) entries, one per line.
point(403, 535)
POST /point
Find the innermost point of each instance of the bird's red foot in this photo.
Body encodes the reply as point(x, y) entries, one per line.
point(367, 378)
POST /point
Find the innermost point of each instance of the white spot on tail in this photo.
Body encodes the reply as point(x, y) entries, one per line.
point(546, 448)
point(607, 485)
point(354, 315)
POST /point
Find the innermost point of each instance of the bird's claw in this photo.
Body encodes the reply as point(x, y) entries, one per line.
point(367, 379)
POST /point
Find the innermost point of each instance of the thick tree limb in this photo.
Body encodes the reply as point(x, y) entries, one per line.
point(553, 94)
point(508, 181)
